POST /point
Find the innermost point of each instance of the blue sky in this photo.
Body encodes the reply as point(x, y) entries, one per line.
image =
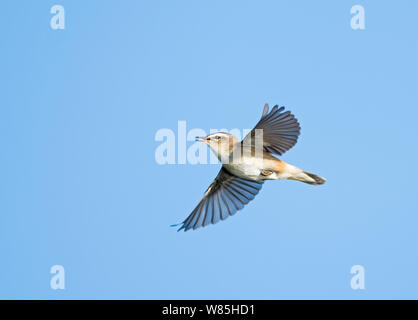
point(80, 188)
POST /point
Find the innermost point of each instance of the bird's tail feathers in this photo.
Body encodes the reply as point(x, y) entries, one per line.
point(294, 173)
point(311, 178)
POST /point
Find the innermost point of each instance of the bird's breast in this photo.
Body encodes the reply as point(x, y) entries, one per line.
point(246, 167)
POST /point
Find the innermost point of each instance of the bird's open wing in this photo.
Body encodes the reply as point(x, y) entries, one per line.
point(280, 131)
point(225, 196)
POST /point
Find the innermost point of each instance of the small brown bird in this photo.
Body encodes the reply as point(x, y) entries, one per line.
point(245, 166)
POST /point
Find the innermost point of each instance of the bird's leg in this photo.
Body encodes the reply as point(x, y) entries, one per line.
point(265, 172)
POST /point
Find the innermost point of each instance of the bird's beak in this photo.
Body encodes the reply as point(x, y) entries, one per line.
point(201, 139)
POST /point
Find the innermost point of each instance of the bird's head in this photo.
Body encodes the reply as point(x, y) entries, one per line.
point(221, 143)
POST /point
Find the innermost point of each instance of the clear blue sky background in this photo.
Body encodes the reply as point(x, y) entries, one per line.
point(79, 109)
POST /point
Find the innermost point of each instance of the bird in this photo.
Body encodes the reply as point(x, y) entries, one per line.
point(246, 165)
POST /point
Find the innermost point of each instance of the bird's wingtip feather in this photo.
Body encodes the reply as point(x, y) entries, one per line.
point(178, 224)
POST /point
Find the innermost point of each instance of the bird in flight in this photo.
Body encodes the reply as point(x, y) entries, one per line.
point(246, 165)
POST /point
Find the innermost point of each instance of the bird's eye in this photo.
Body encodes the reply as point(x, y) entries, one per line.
point(217, 137)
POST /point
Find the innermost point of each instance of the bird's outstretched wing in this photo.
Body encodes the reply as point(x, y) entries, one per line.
point(280, 131)
point(225, 196)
